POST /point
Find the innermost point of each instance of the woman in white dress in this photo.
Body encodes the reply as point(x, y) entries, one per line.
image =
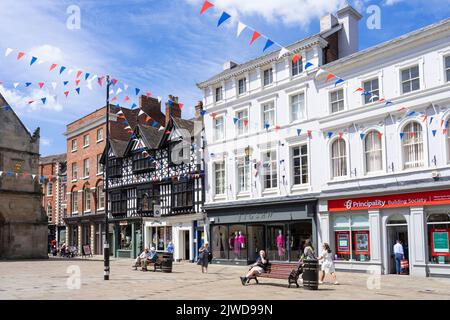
point(327, 264)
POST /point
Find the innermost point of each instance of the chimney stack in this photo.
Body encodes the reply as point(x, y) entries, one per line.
point(349, 34)
point(152, 107)
point(198, 109)
point(327, 22)
point(172, 109)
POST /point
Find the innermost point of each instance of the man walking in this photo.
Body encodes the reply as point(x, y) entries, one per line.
point(399, 256)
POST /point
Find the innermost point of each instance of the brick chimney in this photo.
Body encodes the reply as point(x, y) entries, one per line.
point(152, 107)
point(198, 109)
point(172, 110)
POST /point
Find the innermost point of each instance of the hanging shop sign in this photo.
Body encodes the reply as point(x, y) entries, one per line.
point(429, 198)
point(440, 242)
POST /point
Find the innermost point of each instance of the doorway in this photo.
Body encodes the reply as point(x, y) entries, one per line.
point(397, 229)
point(186, 245)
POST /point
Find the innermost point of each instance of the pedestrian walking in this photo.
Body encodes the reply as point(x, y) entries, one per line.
point(308, 251)
point(203, 257)
point(327, 264)
point(399, 256)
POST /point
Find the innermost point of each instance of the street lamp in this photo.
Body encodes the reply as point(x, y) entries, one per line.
point(106, 244)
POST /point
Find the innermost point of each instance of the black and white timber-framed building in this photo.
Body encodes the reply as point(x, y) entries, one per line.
point(156, 188)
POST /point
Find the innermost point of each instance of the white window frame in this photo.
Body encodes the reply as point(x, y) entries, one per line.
point(247, 173)
point(406, 65)
point(379, 91)
point(245, 127)
point(411, 79)
point(215, 136)
point(291, 152)
point(271, 77)
point(363, 146)
point(103, 135)
point(86, 199)
point(219, 195)
point(330, 107)
point(273, 110)
point(85, 145)
point(49, 188)
point(347, 159)
point(291, 67)
point(305, 117)
point(424, 146)
point(238, 87)
point(221, 94)
point(99, 165)
point(263, 178)
point(74, 145)
point(446, 78)
point(74, 165)
point(99, 192)
point(86, 167)
point(72, 202)
point(49, 214)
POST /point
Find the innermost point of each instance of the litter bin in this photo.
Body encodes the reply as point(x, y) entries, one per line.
point(166, 263)
point(310, 274)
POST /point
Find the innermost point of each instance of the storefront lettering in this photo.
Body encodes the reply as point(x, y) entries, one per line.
point(391, 201)
point(255, 216)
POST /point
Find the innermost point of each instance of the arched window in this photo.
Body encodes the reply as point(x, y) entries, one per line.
point(86, 199)
point(100, 197)
point(448, 143)
point(338, 158)
point(412, 144)
point(373, 152)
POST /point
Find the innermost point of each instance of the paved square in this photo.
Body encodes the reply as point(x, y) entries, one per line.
point(48, 279)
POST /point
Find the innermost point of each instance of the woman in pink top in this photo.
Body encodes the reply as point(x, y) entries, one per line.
point(280, 243)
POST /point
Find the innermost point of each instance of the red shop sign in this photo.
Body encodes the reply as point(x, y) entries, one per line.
point(430, 198)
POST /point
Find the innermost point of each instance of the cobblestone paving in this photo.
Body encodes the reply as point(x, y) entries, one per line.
point(49, 279)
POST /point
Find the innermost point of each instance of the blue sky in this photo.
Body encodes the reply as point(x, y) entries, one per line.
point(165, 47)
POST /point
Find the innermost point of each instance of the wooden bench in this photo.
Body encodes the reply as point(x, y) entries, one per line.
point(289, 271)
point(156, 264)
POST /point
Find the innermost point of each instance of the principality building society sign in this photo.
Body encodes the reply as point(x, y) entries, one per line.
point(391, 201)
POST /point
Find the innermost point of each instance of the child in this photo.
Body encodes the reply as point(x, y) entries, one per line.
point(327, 264)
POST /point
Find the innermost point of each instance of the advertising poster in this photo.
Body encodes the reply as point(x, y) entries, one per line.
point(440, 242)
point(343, 242)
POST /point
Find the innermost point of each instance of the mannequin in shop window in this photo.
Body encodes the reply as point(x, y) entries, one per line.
point(280, 244)
point(241, 240)
point(237, 247)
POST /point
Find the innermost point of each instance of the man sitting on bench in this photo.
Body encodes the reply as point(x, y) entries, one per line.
point(151, 258)
point(260, 266)
point(141, 258)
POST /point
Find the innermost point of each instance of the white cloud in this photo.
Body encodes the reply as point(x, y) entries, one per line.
point(19, 100)
point(300, 12)
point(391, 2)
point(45, 142)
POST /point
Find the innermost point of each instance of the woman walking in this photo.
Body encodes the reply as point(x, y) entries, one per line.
point(308, 252)
point(327, 264)
point(203, 257)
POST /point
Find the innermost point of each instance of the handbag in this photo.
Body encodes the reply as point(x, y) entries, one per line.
point(404, 264)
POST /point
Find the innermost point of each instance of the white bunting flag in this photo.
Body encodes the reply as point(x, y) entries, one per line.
point(41, 61)
point(320, 72)
point(118, 91)
point(89, 84)
point(1, 173)
point(241, 27)
point(33, 176)
point(125, 86)
point(120, 112)
point(70, 71)
point(159, 99)
point(283, 51)
point(16, 84)
point(8, 52)
point(161, 128)
point(141, 113)
point(111, 91)
point(54, 84)
point(127, 127)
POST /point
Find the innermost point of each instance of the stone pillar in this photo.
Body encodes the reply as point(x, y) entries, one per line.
point(133, 240)
point(80, 248)
point(92, 242)
point(417, 242)
point(375, 237)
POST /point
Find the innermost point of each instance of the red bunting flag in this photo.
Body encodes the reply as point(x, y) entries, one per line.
point(213, 115)
point(411, 135)
point(30, 102)
point(359, 90)
point(53, 66)
point(79, 73)
point(330, 76)
point(401, 109)
point(277, 127)
point(168, 132)
point(382, 100)
point(340, 135)
point(206, 6)
point(147, 118)
point(255, 36)
point(77, 82)
point(20, 55)
point(126, 99)
point(380, 135)
point(424, 118)
point(180, 105)
point(296, 58)
point(444, 131)
point(113, 99)
point(309, 133)
point(148, 94)
point(100, 80)
point(114, 81)
point(66, 93)
point(245, 122)
point(442, 122)
point(40, 84)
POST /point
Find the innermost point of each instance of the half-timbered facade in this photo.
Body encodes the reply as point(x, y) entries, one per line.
point(156, 189)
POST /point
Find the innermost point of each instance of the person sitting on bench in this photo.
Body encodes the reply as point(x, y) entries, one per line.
point(141, 258)
point(151, 258)
point(260, 266)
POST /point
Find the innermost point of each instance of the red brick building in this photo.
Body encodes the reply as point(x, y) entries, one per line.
point(86, 141)
point(54, 188)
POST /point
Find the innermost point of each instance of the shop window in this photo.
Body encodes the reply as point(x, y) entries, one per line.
point(125, 237)
point(237, 242)
point(161, 237)
point(352, 237)
point(277, 242)
point(438, 238)
point(220, 243)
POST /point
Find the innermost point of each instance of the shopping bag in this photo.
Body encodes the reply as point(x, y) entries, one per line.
point(404, 264)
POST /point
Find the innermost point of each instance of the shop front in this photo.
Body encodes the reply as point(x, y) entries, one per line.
point(362, 232)
point(176, 234)
point(127, 237)
point(239, 233)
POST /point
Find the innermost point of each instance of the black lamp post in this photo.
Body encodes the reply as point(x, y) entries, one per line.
point(106, 183)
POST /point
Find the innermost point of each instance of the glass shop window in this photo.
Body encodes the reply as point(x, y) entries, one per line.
point(352, 237)
point(438, 225)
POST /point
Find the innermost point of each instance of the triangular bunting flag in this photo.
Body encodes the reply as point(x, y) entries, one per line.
point(283, 51)
point(154, 124)
point(40, 84)
point(137, 91)
point(412, 134)
point(296, 58)
point(401, 135)
point(338, 82)
point(86, 76)
point(308, 65)
point(148, 94)
point(43, 100)
point(27, 84)
point(161, 128)
point(54, 84)
point(8, 52)
point(77, 90)
point(434, 133)
point(380, 135)
point(241, 27)
point(340, 135)
point(309, 132)
point(269, 43)
point(431, 119)
point(16, 84)
point(359, 90)
point(66, 93)
point(224, 17)
point(61, 70)
point(141, 113)
point(20, 55)
point(329, 134)
point(255, 36)
point(213, 115)
point(203, 112)
point(206, 5)
point(330, 76)
point(235, 120)
point(65, 83)
point(299, 131)
point(319, 72)
point(180, 105)
point(362, 135)
point(33, 60)
point(53, 66)
point(79, 72)
point(133, 106)
point(118, 91)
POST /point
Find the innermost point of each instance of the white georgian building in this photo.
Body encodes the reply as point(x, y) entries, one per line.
point(292, 156)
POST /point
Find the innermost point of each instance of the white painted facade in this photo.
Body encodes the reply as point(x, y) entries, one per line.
point(427, 48)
